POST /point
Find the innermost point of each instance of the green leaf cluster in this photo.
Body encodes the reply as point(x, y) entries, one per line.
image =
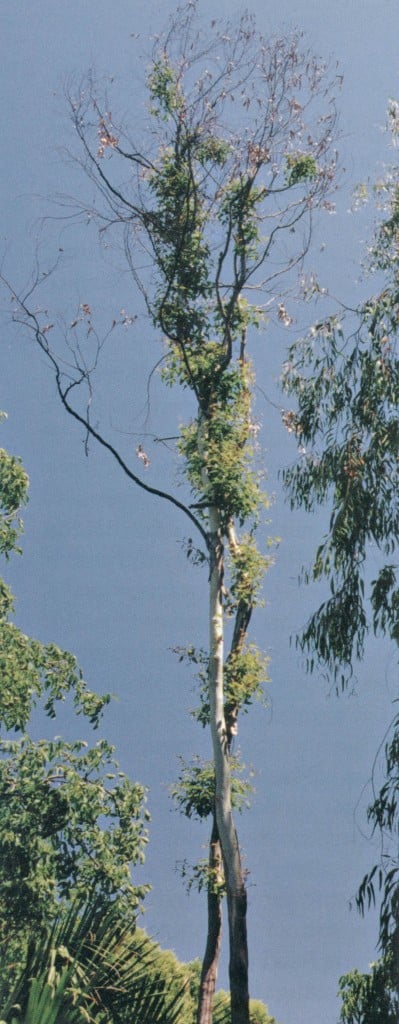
point(183, 256)
point(202, 877)
point(213, 150)
point(56, 798)
point(239, 210)
point(245, 676)
point(369, 998)
point(164, 88)
point(218, 450)
point(194, 790)
point(258, 1012)
point(32, 671)
point(13, 494)
point(248, 568)
point(300, 167)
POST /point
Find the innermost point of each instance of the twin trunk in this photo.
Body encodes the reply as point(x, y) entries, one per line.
point(223, 831)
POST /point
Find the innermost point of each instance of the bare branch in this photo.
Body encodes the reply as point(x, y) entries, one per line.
point(30, 320)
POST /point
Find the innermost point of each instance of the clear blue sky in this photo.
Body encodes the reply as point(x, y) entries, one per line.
point(103, 573)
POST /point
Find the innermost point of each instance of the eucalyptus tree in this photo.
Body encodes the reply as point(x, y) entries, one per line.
point(344, 378)
point(214, 208)
point(370, 998)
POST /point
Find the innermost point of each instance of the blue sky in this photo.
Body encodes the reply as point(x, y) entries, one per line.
point(103, 573)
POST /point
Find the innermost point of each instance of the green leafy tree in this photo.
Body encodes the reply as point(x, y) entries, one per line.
point(220, 199)
point(258, 1012)
point(344, 377)
point(369, 998)
point(70, 821)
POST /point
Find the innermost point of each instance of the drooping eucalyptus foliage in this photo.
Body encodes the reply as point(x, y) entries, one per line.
point(344, 377)
point(215, 209)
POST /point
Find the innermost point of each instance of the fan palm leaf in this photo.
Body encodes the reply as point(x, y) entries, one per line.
point(92, 968)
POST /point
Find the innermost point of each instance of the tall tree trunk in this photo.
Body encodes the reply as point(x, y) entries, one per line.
point(211, 956)
point(235, 888)
point(238, 963)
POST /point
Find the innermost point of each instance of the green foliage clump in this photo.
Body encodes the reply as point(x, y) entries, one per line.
point(239, 209)
point(245, 676)
point(164, 88)
point(383, 814)
point(248, 567)
point(56, 797)
point(194, 790)
point(258, 1012)
point(177, 217)
point(13, 494)
point(31, 671)
point(218, 449)
point(213, 150)
point(300, 167)
point(369, 998)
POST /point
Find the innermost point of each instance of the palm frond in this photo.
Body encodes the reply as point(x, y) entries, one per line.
point(93, 968)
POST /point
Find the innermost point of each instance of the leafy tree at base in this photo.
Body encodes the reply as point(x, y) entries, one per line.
point(71, 822)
